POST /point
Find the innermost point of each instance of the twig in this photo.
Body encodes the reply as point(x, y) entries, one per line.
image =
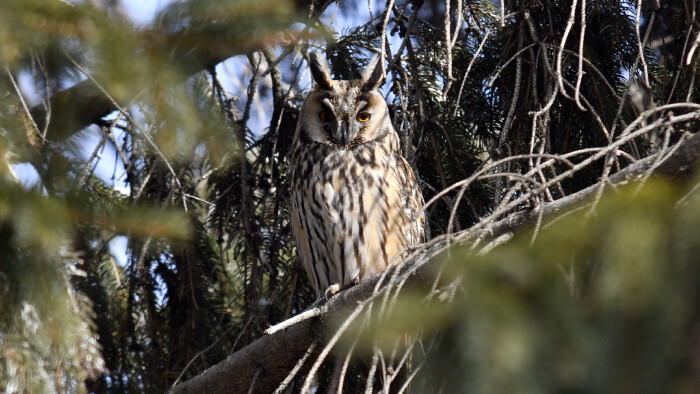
point(409, 379)
point(252, 383)
point(569, 24)
point(579, 73)
point(469, 67)
point(500, 68)
point(385, 23)
point(640, 45)
point(369, 383)
point(516, 93)
point(324, 353)
point(28, 114)
point(296, 368)
point(308, 314)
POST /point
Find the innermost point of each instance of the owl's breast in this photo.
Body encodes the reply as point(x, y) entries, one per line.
point(339, 177)
point(351, 205)
point(363, 196)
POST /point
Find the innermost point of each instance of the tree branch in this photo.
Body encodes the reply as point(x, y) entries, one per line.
point(277, 354)
point(678, 165)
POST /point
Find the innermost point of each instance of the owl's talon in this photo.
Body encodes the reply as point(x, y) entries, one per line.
point(331, 291)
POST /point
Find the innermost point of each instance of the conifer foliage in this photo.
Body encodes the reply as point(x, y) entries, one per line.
point(174, 139)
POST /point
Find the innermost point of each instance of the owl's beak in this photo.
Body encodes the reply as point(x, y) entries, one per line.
point(344, 132)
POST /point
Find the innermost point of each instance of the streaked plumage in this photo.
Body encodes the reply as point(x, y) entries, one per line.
point(355, 200)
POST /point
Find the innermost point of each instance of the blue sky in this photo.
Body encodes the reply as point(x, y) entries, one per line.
point(143, 11)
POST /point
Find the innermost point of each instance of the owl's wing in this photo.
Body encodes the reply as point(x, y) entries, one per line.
point(412, 200)
point(301, 237)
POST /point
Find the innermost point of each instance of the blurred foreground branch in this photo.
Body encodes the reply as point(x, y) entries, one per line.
point(84, 103)
point(263, 365)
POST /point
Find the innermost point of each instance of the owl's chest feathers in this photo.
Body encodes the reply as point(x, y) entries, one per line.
point(339, 178)
point(349, 202)
point(351, 210)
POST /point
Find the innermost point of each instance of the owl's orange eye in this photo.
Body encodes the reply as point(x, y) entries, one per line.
point(326, 116)
point(363, 116)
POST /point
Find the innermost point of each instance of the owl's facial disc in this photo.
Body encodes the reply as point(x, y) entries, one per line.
point(345, 113)
point(346, 116)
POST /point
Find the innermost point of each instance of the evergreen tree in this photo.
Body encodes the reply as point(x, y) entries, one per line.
point(505, 110)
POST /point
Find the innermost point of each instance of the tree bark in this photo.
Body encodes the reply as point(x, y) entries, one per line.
point(272, 357)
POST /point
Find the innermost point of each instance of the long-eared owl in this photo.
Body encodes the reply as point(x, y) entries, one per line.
point(355, 201)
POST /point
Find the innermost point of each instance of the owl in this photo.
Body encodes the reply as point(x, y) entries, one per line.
point(355, 200)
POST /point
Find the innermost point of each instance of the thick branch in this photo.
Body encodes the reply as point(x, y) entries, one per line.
point(275, 355)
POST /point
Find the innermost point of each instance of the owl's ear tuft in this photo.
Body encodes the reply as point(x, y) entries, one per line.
point(374, 74)
point(320, 71)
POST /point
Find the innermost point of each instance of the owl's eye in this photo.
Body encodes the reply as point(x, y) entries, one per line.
point(326, 116)
point(363, 116)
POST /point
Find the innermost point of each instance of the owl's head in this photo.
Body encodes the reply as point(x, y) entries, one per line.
point(344, 114)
